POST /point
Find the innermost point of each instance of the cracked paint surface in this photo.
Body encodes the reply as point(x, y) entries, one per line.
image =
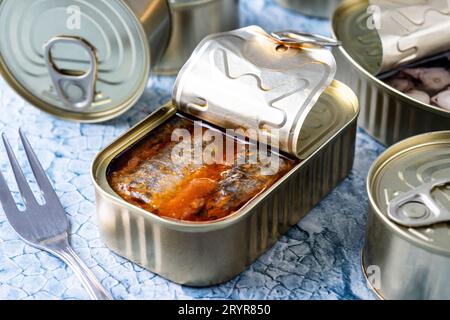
point(317, 259)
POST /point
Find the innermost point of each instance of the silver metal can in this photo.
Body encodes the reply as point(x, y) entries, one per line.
point(78, 60)
point(386, 113)
point(195, 253)
point(192, 20)
point(407, 250)
point(315, 8)
point(304, 97)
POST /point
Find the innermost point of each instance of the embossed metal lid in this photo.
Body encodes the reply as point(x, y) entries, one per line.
point(252, 80)
point(382, 35)
point(81, 60)
point(409, 185)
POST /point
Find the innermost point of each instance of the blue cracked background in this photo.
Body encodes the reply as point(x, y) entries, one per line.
point(317, 259)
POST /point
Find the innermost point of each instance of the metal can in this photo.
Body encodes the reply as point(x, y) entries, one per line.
point(78, 60)
point(305, 96)
point(386, 113)
point(192, 20)
point(407, 253)
point(196, 254)
point(316, 8)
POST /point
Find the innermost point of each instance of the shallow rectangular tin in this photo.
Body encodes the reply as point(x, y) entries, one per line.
point(408, 262)
point(193, 20)
point(386, 114)
point(202, 254)
point(315, 8)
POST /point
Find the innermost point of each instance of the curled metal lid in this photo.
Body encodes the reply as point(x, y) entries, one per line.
point(410, 185)
point(252, 80)
point(410, 30)
point(79, 60)
point(398, 32)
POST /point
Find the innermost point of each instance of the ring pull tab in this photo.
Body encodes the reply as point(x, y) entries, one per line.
point(76, 89)
point(296, 38)
point(417, 208)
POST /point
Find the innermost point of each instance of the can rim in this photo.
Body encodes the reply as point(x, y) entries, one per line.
point(307, 10)
point(207, 226)
point(192, 3)
point(395, 151)
point(374, 79)
point(95, 117)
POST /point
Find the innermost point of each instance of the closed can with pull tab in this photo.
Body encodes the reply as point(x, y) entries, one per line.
point(80, 60)
point(407, 248)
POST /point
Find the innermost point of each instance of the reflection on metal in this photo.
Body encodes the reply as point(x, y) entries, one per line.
point(417, 208)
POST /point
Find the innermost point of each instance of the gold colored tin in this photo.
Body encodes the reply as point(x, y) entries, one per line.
point(202, 254)
point(403, 261)
point(78, 60)
point(192, 20)
point(316, 8)
point(387, 114)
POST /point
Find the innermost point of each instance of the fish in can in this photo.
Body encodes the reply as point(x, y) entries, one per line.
point(407, 250)
point(78, 60)
point(395, 105)
point(316, 8)
point(192, 20)
point(202, 223)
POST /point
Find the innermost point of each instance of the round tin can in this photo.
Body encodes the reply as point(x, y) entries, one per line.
point(386, 113)
point(406, 255)
point(80, 60)
point(192, 20)
point(316, 8)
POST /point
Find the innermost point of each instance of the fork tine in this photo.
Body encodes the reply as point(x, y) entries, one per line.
point(36, 167)
point(7, 201)
point(22, 183)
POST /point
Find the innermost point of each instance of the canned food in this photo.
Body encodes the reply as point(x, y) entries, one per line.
point(177, 229)
point(82, 61)
point(407, 250)
point(192, 20)
point(387, 113)
point(317, 8)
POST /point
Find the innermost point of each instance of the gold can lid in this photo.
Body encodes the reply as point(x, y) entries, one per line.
point(351, 26)
point(78, 60)
point(409, 186)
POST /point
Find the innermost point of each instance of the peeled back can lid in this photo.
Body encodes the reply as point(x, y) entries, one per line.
point(409, 185)
point(80, 60)
point(251, 80)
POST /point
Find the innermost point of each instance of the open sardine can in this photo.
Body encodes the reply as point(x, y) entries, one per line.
point(199, 223)
point(396, 57)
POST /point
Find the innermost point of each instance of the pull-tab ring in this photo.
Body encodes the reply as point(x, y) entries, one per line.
point(75, 89)
point(417, 208)
point(295, 38)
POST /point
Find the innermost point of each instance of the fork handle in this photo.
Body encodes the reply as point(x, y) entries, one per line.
point(94, 288)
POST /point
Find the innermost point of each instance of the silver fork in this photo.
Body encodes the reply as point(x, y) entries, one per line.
point(44, 226)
